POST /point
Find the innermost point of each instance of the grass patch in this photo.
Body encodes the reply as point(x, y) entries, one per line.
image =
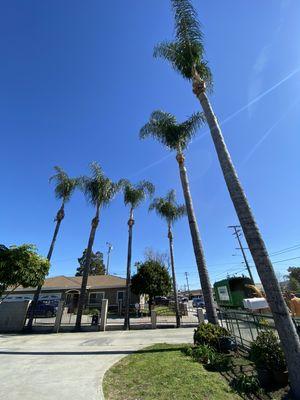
point(163, 372)
point(164, 311)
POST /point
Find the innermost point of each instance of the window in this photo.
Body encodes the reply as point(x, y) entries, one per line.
point(120, 296)
point(96, 297)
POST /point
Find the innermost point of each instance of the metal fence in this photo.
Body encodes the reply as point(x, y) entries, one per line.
point(245, 326)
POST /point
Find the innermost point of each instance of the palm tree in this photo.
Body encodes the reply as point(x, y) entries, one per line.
point(168, 209)
point(134, 195)
point(64, 188)
point(176, 136)
point(186, 54)
point(99, 192)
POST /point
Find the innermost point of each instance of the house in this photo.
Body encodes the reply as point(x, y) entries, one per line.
point(98, 287)
point(192, 294)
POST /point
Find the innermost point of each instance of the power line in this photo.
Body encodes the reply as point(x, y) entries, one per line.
point(237, 234)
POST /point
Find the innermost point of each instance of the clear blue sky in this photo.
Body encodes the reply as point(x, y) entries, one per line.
point(78, 81)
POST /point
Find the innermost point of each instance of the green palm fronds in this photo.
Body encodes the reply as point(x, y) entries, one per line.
point(167, 208)
point(64, 185)
point(164, 127)
point(98, 189)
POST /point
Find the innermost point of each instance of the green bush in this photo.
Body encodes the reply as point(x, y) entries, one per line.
point(209, 334)
point(245, 384)
point(266, 352)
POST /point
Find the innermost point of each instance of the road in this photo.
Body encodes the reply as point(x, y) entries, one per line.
point(70, 365)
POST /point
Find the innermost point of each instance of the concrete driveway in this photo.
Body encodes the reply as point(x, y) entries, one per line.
point(70, 365)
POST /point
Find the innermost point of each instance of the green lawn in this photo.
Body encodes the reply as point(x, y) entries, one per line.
point(164, 311)
point(162, 372)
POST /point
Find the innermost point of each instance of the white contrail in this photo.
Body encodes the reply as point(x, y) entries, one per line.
point(267, 133)
point(229, 118)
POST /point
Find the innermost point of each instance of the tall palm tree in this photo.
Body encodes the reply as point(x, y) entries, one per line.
point(134, 195)
point(176, 136)
point(186, 55)
point(64, 188)
point(168, 209)
point(99, 192)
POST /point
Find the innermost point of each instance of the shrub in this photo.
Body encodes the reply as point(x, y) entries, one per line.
point(209, 334)
point(245, 384)
point(266, 352)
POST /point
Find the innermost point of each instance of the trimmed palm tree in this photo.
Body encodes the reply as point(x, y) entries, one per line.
point(134, 195)
point(168, 209)
point(99, 192)
point(176, 136)
point(186, 55)
point(64, 188)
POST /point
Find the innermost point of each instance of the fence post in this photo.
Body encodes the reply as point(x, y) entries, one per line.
point(103, 319)
point(153, 319)
point(59, 313)
point(120, 307)
point(200, 315)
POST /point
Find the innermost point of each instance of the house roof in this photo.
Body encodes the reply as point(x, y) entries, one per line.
point(74, 282)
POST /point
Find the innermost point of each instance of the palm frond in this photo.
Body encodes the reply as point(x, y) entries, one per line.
point(64, 185)
point(187, 26)
point(184, 58)
point(136, 194)
point(167, 207)
point(163, 127)
point(186, 52)
point(98, 189)
point(192, 124)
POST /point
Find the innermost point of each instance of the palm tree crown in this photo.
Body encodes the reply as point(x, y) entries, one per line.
point(167, 208)
point(164, 127)
point(134, 195)
point(64, 185)
point(186, 53)
point(98, 189)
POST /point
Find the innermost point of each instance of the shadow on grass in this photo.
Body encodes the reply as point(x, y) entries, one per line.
point(87, 353)
point(266, 394)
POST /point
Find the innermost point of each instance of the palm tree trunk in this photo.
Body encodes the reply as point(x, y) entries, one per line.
point(129, 253)
point(86, 269)
point(59, 217)
point(170, 236)
point(283, 322)
point(198, 248)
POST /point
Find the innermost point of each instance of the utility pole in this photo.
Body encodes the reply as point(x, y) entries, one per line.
point(187, 283)
point(110, 247)
point(237, 234)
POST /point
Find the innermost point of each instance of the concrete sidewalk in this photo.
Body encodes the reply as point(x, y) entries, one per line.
point(70, 365)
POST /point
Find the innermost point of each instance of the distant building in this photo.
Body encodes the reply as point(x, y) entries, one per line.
point(192, 294)
point(98, 287)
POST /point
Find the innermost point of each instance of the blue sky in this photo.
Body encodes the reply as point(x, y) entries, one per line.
point(78, 81)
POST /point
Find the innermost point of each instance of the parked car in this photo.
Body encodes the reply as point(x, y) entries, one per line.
point(44, 309)
point(198, 302)
point(161, 301)
point(183, 299)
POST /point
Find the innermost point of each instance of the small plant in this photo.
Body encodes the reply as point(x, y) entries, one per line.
point(203, 354)
point(219, 362)
point(245, 384)
point(90, 311)
point(210, 335)
point(266, 352)
point(187, 350)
